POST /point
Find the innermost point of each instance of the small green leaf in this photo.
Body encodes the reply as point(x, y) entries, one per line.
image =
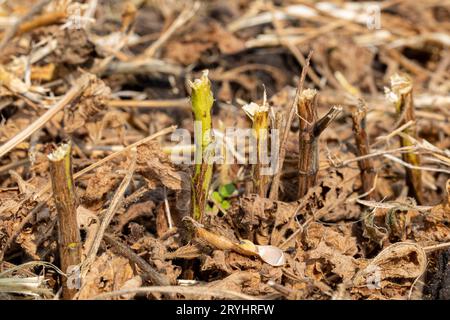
point(227, 190)
point(225, 204)
point(216, 197)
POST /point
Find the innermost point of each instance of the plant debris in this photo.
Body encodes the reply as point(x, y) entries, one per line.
point(321, 169)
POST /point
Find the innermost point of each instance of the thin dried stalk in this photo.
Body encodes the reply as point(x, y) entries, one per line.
point(180, 21)
point(42, 20)
point(202, 101)
point(195, 291)
point(69, 241)
point(113, 207)
point(153, 275)
point(363, 149)
point(79, 86)
point(13, 30)
point(143, 66)
point(412, 167)
point(402, 97)
point(176, 103)
point(310, 130)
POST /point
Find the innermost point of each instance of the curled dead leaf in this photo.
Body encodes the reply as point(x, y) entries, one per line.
point(400, 261)
point(108, 273)
point(156, 167)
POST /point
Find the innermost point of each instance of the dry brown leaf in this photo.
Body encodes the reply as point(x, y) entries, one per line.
point(87, 221)
point(437, 220)
point(335, 189)
point(135, 211)
point(327, 261)
point(102, 182)
point(259, 218)
point(74, 47)
point(108, 273)
point(157, 251)
point(92, 101)
point(242, 281)
point(157, 168)
point(186, 53)
point(240, 262)
point(216, 263)
point(396, 266)
point(317, 233)
point(204, 36)
point(133, 283)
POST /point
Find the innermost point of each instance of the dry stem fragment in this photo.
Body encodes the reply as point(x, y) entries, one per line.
point(363, 149)
point(150, 272)
point(310, 130)
point(309, 154)
point(260, 117)
point(65, 200)
point(282, 149)
point(401, 95)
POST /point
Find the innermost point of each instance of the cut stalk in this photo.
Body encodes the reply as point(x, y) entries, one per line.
point(308, 150)
point(275, 186)
point(310, 130)
point(260, 127)
point(260, 118)
point(202, 101)
point(402, 97)
point(363, 149)
point(69, 243)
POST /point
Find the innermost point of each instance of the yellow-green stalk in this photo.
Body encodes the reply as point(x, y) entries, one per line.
point(260, 118)
point(401, 96)
point(202, 101)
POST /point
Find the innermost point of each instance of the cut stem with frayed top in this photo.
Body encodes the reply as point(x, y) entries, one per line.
point(273, 195)
point(259, 114)
point(401, 96)
point(363, 149)
point(308, 151)
point(202, 101)
point(69, 242)
point(310, 130)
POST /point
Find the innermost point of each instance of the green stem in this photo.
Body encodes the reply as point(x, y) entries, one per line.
point(202, 101)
